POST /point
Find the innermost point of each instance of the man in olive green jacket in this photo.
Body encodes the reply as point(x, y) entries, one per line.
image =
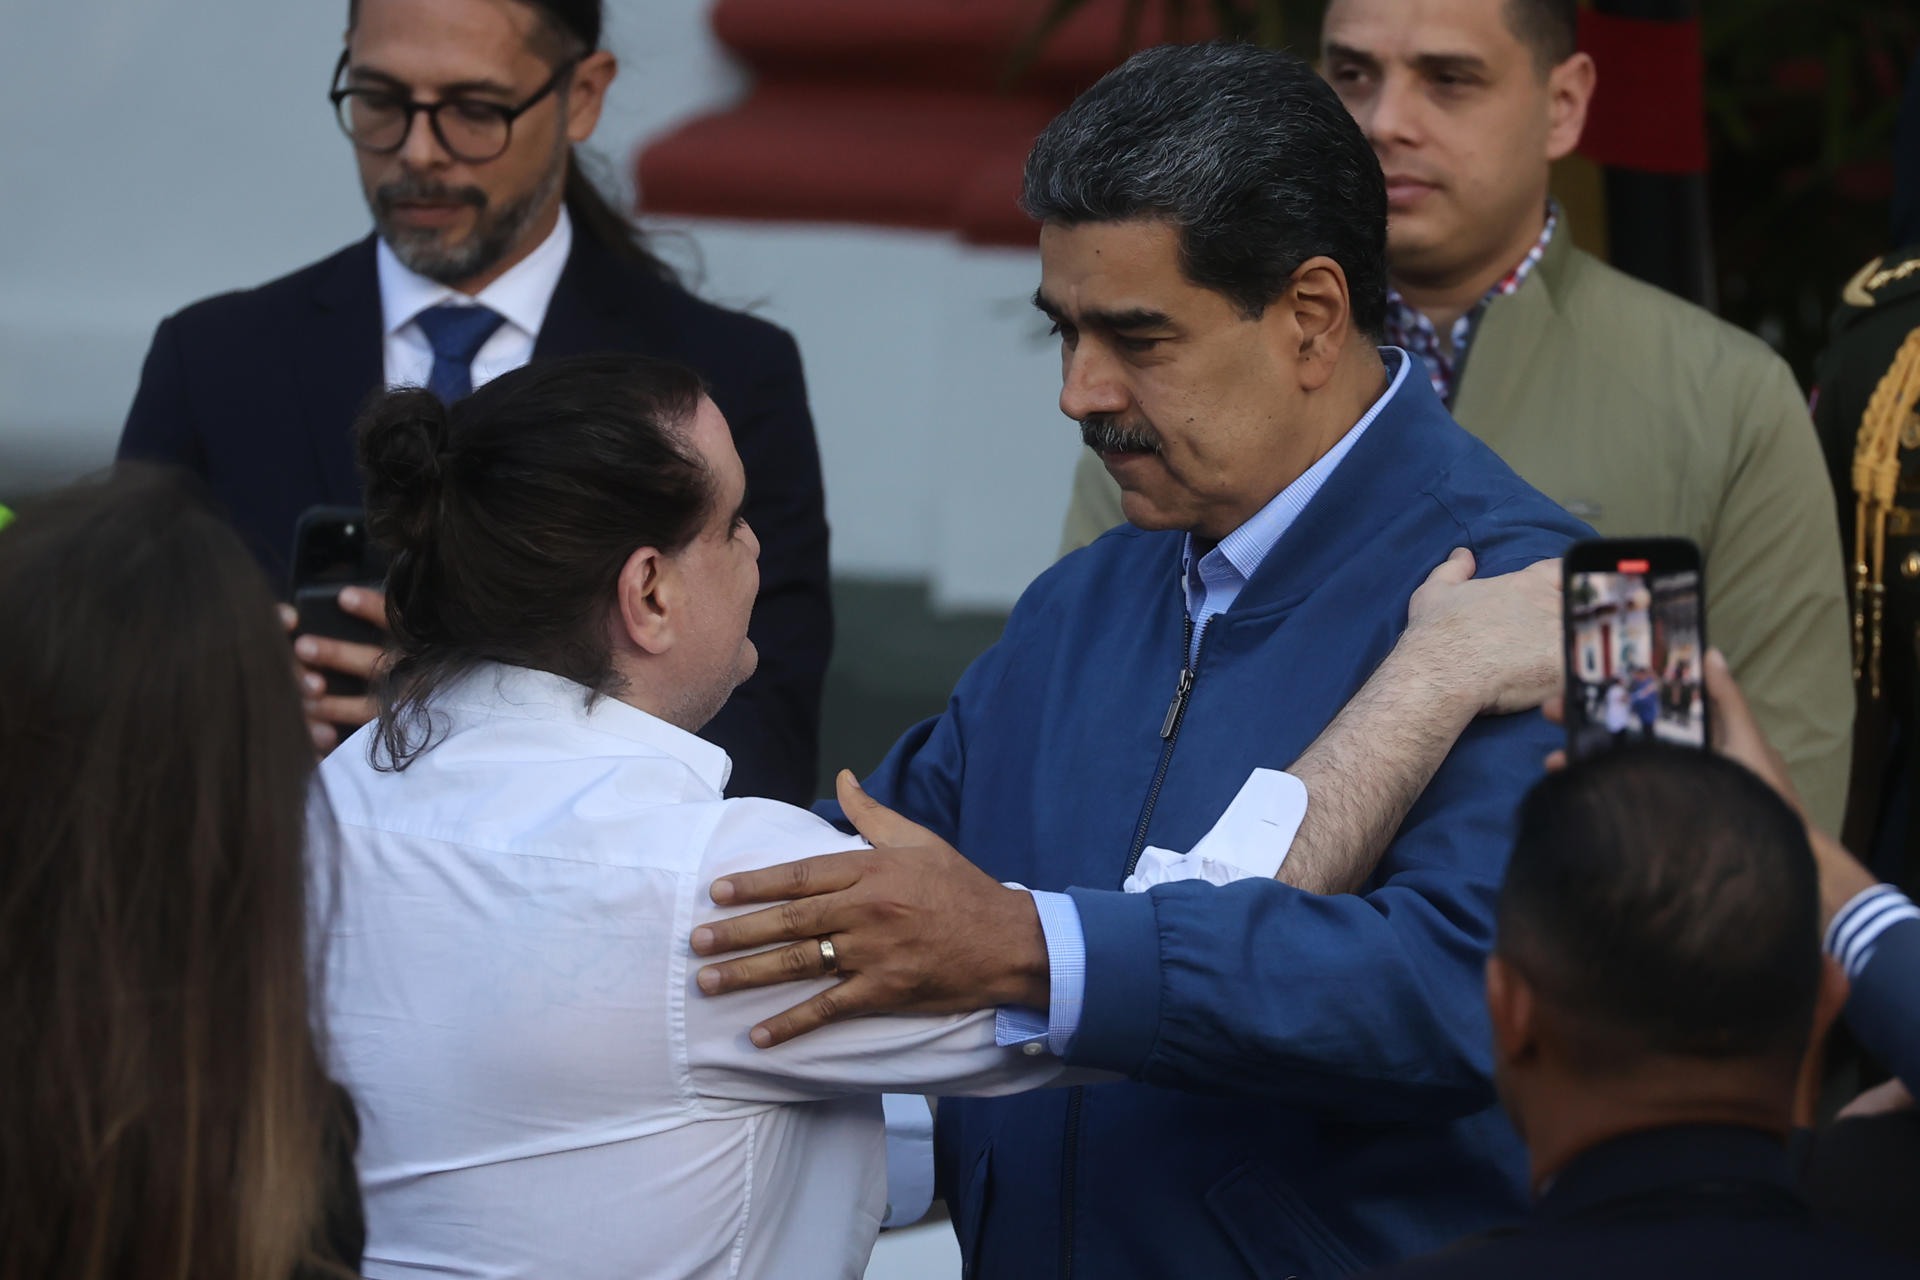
point(1640, 413)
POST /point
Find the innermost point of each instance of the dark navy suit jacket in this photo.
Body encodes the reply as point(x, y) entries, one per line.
point(257, 393)
point(1884, 1006)
point(1689, 1202)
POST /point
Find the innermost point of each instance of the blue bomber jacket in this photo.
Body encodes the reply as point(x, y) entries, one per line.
point(1309, 1078)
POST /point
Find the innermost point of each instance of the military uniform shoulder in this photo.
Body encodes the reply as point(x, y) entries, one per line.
point(1889, 279)
point(237, 305)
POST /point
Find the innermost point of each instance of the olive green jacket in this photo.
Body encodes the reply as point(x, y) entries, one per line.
point(1643, 414)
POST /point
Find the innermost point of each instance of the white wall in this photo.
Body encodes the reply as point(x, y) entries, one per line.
point(156, 151)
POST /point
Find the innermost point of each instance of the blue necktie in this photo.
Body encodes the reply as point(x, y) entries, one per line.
point(456, 335)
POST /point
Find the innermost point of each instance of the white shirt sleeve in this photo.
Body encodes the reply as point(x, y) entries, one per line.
point(909, 1159)
point(1250, 841)
point(949, 1054)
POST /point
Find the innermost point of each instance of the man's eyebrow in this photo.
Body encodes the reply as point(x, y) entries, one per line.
point(357, 72)
point(1127, 320)
point(1115, 321)
point(1450, 64)
point(1347, 53)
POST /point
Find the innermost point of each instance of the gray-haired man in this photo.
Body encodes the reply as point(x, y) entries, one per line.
point(1309, 1085)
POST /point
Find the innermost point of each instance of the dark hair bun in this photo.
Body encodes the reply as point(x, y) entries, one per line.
point(402, 438)
point(402, 442)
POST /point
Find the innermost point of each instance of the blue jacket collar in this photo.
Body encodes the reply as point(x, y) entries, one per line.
point(1409, 446)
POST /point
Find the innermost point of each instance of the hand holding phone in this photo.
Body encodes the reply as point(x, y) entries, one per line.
point(339, 618)
point(1636, 644)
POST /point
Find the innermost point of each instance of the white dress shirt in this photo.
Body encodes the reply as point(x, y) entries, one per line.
point(520, 295)
point(511, 999)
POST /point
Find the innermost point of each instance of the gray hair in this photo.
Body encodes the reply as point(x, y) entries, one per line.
point(1245, 150)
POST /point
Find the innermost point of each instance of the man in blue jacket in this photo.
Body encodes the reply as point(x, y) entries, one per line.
point(1308, 1077)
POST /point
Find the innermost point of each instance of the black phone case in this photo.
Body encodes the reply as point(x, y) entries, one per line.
point(321, 615)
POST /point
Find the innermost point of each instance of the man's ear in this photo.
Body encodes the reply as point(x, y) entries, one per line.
point(588, 93)
point(647, 599)
point(1321, 311)
point(1569, 93)
point(1512, 1010)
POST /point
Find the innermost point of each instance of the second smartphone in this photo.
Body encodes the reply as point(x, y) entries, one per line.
point(1636, 643)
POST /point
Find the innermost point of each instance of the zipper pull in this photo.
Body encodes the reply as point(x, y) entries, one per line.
point(1179, 702)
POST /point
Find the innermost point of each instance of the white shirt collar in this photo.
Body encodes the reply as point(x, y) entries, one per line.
point(521, 693)
point(521, 294)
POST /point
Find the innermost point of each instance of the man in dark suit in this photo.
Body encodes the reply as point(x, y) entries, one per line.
point(491, 248)
point(1654, 986)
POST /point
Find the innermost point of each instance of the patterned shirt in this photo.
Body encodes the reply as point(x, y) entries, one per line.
point(1408, 329)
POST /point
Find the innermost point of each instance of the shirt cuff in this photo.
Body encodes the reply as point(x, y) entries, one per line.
point(1066, 977)
point(909, 1158)
point(1856, 929)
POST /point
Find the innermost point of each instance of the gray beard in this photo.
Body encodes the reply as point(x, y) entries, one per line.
point(493, 234)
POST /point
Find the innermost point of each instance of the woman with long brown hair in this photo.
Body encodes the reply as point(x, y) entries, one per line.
point(163, 1110)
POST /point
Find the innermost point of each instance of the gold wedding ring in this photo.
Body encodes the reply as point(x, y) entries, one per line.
point(828, 958)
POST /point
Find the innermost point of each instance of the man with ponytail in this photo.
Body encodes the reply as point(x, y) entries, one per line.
point(492, 248)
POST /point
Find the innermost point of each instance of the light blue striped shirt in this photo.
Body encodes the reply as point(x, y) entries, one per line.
point(1222, 573)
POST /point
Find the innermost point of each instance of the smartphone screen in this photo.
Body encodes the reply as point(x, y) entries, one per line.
point(1636, 641)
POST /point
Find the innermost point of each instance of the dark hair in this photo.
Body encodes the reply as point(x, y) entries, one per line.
point(510, 515)
point(572, 29)
point(1665, 899)
point(1550, 27)
point(164, 1107)
point(1245, 150)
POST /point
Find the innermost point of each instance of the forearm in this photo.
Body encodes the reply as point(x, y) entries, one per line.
point(1366, 769)
point(1842, 878)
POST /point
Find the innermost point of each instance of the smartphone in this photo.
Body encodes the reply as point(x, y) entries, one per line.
point(1636, 643)
point(330, 551)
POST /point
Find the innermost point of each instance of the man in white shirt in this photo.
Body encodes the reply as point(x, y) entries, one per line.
point(509, 978)
point(511, 995)
point(543, 1090)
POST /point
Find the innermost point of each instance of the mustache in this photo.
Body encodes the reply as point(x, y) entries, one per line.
point(1105, 433)
point(410, 189)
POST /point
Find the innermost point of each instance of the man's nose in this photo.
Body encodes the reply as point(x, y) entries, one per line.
point(1090, 384)
point(421, 149)
point(1392, 117)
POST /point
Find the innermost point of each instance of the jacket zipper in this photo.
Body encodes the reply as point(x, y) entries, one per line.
point(1170, 734)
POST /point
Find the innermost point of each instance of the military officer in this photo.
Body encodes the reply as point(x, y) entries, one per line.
point(1866, 385)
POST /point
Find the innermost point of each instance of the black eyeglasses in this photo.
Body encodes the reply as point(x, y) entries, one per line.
point(473, 130)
